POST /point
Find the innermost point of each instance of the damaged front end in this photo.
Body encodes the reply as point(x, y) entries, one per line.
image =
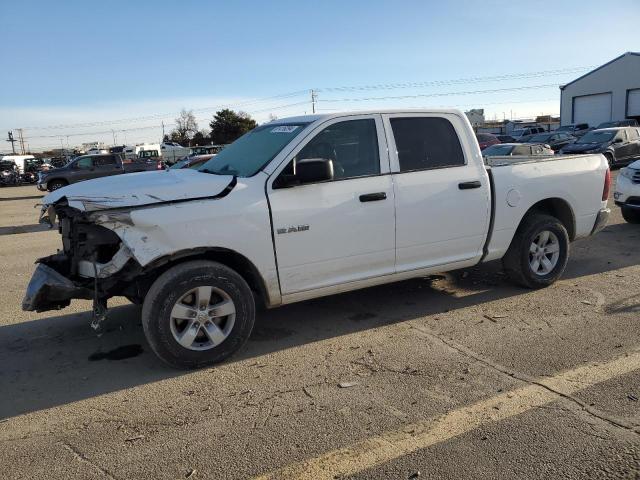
point(93, 264)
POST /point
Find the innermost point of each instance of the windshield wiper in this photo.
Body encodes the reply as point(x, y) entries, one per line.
point(219, 172)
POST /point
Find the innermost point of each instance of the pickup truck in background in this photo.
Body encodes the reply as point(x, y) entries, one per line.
point(310, 206)
point(88, 167)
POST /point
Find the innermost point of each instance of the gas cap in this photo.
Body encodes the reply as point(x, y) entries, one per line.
point(513, 197)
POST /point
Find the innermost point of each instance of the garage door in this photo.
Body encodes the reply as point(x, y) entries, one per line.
point(592, 109)
point(633, 103)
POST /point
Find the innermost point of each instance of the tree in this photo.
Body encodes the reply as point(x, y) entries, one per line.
point(200, 138)
point(186, 128)
point(228, 125)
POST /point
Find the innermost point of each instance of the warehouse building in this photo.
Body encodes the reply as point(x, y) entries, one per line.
point(610, 92)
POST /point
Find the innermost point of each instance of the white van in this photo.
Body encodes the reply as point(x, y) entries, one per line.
point(19, 160)
point(168, 152)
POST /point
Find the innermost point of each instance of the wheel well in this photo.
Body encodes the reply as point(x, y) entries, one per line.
point(237, 262)
point(559, 209)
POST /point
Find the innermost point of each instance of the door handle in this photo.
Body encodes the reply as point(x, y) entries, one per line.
point(469, 185)
point(373, 197)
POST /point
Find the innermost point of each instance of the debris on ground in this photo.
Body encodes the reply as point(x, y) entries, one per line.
point(632, 397)
point(494, 317)
point(347, 384)
point(414, 475)
point(190, 473)
point(133, 439)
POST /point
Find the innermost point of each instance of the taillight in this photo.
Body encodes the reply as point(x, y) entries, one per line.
point(607, 185)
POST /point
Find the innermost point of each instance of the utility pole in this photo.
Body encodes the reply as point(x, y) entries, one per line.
point(21, 140)
point(11, 139)
point(162, 132)
point(114, 137)
point(314, 97)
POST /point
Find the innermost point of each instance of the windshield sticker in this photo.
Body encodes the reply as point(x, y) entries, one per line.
point(284, 129)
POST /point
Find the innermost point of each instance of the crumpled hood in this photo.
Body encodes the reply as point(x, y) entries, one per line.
point(138, 189)
point(635, 165)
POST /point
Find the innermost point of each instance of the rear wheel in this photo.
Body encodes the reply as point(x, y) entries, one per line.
point(198, 313)
point(56, 184)
point(539, 251)
point(631, 215)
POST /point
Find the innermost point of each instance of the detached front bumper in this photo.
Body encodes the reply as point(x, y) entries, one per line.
point(601, 220)
point(50, 290)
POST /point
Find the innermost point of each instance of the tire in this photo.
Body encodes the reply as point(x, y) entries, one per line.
point(56, 184)
point(519, 261)
point(610, 159)
point(172, 292)
point(630, 215)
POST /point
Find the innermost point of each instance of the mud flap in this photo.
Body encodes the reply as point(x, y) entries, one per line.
point(49, 290)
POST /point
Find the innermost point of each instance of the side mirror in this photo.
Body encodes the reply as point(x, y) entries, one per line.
point(313, 170)
point(308, 170)
point(618, 140)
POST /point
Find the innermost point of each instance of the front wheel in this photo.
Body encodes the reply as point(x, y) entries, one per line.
point(630, 215)
point(198, 313)
point(539, 251)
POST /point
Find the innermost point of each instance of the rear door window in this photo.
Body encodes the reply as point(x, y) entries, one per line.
point(425, 143)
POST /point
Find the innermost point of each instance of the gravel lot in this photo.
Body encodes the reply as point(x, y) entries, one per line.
point(453, 376)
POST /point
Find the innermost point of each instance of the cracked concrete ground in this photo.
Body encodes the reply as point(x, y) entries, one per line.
point(416, 354)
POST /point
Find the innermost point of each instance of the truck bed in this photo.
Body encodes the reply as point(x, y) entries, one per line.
point(503, 161)
point(574, 181)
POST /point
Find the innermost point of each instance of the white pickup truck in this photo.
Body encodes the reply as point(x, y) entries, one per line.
point(305, 207)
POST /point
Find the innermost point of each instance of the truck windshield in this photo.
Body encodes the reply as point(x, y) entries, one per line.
point(251, 152)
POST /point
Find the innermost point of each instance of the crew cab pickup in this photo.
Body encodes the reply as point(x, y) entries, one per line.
point(305, 207)
point(88, 167)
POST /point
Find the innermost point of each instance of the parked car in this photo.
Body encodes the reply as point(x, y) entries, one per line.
point(627, 192)
point(192, 162)
point(205, 150)
point(510, 149)
point(199, 248)
point(168, 152)
point(630, 122)
point(87, 167)
point(486, 140)
point(9, 173)
point(618, 145)
point(555, 140)
point(575, 129)
point(519, 133)
point(506, 139)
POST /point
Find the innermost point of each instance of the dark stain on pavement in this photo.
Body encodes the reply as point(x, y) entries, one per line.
point(120, 353)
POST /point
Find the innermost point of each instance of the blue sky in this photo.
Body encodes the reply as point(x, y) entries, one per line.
point(87, 67)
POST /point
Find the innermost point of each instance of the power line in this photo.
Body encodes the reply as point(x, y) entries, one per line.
point(495, 78)
point(385, 86)
point(441, 94)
